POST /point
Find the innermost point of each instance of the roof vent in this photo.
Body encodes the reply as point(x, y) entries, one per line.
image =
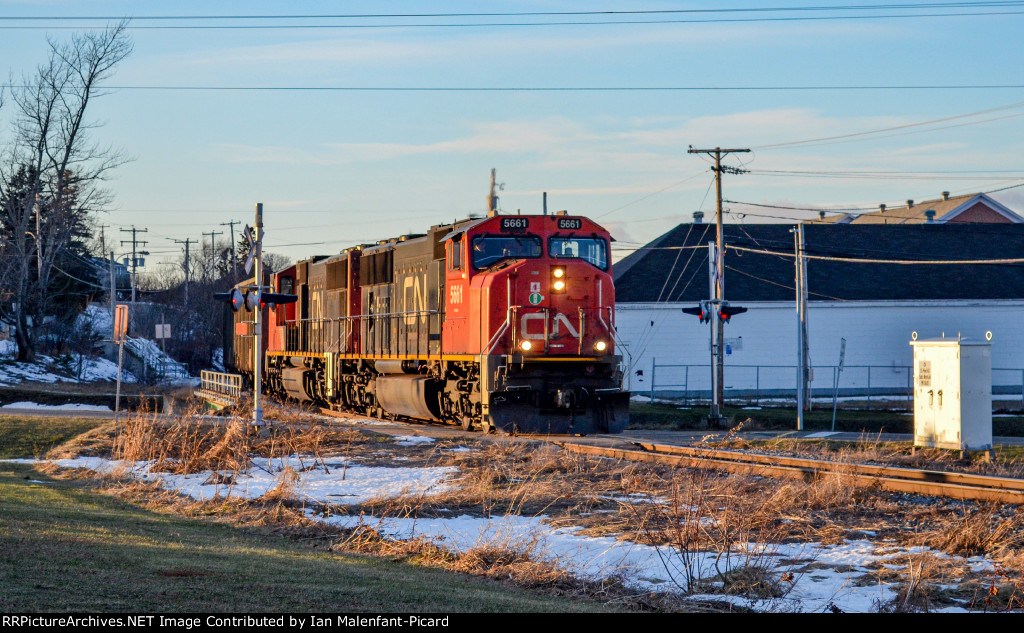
point(881, 208)
point(821, 215)
point(698, 217)
point(910, 203)
point(945, 195)
point(929, 216)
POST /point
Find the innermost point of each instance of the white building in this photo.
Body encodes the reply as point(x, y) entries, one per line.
point(875, 306)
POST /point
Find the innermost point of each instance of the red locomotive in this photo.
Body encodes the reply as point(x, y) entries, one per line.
point(505, 322)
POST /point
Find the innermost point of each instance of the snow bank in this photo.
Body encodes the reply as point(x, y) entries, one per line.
point(309, 479)
point(56, 407)
point(13, 372)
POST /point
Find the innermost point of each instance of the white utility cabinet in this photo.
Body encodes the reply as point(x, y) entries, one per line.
point(953, 394)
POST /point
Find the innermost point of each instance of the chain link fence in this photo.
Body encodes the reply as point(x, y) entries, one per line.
point(776, 384)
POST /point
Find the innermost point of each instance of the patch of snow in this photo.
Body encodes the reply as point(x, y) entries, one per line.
point(460, 449)
point(218, 359)
point(101, 369)
point(821, 434)
point(739, 601)
point(336, 484)
point(96, 320)
point(636, 497)
point(91, 369)
point(150, 353)
point(56, 407)
point(661, 568)
point(413, 440)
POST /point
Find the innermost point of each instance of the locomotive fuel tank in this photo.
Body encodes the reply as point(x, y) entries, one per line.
point(294, 381)
point(411, 396)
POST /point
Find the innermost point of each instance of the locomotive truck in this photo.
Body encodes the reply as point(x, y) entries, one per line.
point(501, 323)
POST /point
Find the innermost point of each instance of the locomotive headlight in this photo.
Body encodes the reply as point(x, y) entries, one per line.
point(600, 346)
point(526, 346)
point(558, 273)
point(559, 285)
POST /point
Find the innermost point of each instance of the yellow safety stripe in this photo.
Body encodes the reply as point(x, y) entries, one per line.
point(443, 357)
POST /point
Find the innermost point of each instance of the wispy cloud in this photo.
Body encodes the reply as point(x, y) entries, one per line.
point(499, 137)
point(356, 49)
point(611, 159)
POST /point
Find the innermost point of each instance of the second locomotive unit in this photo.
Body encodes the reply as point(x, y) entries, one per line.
point(504, 322)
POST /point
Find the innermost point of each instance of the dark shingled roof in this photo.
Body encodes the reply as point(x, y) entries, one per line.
point(659, 272)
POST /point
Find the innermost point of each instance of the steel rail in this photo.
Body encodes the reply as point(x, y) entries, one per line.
point(933, 483)
point(895, 472)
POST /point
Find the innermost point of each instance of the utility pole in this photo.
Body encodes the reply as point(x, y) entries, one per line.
point(103, 242)
point(257, 246)
point(113, 288)
point(718, 395)
point(234, 259)
point(213, 253)
point(135, 256)
point(186, 243)
point(801, 324)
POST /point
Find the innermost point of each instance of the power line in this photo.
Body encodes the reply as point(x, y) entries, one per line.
point(506, 89)
point(855, 7)
point(893, 128)
point(881, 175)
point(453, 25)
point(832, 210)
point(654, 193)
point(903, 262)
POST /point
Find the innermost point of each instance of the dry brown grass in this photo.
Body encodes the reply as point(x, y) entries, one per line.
point(871, 449)
point(978, 531)
point(695, 510)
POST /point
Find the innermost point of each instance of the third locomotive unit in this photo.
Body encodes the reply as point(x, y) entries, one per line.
point(504, 322)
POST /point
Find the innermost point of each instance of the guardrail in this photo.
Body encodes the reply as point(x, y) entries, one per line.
point(217, 382)
point(220, 389)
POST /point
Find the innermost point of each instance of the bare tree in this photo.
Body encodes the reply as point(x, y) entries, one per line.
point(51, 171)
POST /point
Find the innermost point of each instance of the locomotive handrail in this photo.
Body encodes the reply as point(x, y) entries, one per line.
point(360, 316)
point(583, 330)
point(515, 319)
point(327, 341)
point(504, 326)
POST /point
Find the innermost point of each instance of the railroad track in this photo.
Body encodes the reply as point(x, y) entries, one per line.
point(912, 480)
point(891, 478)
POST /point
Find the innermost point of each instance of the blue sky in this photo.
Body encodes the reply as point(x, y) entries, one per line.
point(339, 168)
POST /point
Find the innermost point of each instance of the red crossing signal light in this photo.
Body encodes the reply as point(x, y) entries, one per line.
point(727, 312)
point(700, 312)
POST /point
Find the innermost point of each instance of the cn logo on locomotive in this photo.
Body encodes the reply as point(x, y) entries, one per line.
point(559, 320)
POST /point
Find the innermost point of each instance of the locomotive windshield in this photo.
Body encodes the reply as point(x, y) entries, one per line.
point(491, 249)
point(592, 250)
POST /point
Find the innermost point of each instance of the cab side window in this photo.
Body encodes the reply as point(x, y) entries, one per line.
point(455, 261)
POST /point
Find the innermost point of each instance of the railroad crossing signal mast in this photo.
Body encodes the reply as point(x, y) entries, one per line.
point(707, 311)
point(718, 359)
point(255, 300)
